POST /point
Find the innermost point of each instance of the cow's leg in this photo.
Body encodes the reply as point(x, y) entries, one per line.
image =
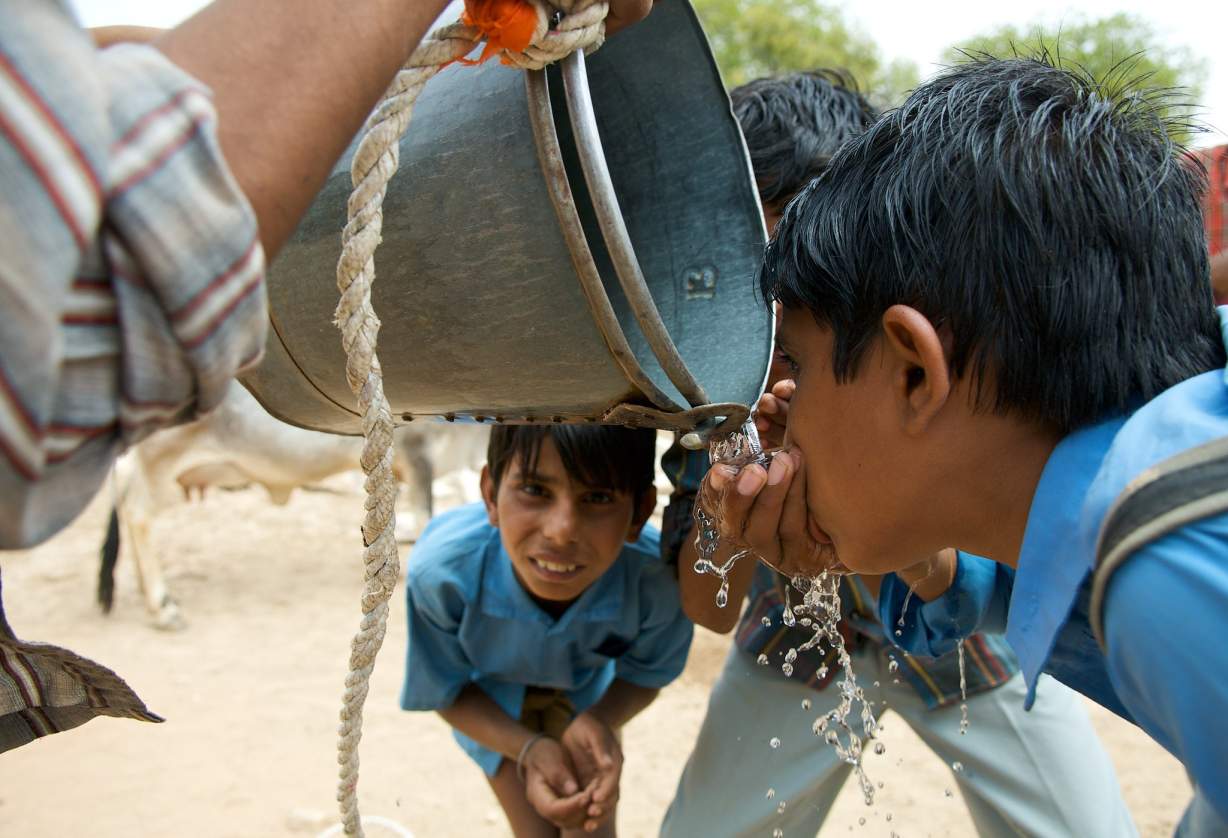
point(420, 474)
point(138, 507)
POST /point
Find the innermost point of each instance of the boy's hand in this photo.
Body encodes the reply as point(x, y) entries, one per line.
point(598, 758)
point(551, 787)
point(765, 510)
point(772, 413)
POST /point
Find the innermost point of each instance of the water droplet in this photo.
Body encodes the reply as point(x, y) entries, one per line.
point(787, 669)
point(949, 793)
point(780, 809)
point(805, 704)
point(833, 738)
point(861, 821)
point(778, 833)
point(791, 656)
point(774, 742)
point(771, 793)
point(894, 666)
point(722, 596)
point(899, 633)
point(767, 622)
point(880, 748)
point(880, 785)
point(957, 767)
point(762, 660)
point(877, 684)
point(888, 817)
point(788, 618)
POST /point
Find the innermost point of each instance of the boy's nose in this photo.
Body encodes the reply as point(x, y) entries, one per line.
point(562, 522)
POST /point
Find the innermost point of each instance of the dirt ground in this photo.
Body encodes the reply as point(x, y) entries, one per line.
point(251, 689)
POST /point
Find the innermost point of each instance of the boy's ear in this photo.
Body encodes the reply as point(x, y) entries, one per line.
point(643, 511)
point(489, 492)
point(917, 357)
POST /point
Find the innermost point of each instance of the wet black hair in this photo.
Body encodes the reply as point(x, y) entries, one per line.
point(1046, 219)
point(793, 124)
point(603, 456)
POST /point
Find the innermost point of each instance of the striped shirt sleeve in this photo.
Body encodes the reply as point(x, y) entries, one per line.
point(131, 273)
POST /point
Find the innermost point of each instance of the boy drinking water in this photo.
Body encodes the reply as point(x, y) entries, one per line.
point(542, 620)
point(997, 314)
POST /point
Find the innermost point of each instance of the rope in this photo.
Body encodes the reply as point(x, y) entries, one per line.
point(582, 26)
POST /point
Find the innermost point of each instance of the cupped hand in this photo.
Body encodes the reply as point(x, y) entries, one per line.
point(551, 787)
point(598, 758)
point(764, 510)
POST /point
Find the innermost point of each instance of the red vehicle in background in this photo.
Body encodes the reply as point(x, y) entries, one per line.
point(1215, 213)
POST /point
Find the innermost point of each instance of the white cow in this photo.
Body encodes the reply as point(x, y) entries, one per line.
point(239, 444)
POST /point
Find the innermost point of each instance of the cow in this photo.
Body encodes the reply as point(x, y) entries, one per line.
point(239, 444)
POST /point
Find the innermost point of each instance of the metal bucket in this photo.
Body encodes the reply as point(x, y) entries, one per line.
point(571, 245)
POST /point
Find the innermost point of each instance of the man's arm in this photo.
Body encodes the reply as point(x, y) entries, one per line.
point(293, 81)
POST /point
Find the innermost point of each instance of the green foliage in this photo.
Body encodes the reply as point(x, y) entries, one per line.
point(1122, 49)
point(753, 38)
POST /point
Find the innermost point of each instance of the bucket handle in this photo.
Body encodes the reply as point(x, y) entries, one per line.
point(550, 157)
point(614, 230)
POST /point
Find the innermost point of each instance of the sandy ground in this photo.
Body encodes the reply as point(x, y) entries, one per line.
point(251, 688)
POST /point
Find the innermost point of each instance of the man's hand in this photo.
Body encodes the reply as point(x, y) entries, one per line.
point(551, 787)
point(772, 413)
point(623, 13)
point(598, 758)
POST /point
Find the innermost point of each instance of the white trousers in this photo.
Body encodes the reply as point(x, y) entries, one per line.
point(1036, 773)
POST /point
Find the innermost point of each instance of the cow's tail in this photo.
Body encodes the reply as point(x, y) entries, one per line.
point(106, 569)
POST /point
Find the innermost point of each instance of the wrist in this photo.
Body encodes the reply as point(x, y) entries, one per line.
point(526, 749)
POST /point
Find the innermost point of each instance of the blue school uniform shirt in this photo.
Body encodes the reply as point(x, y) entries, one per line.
point(1166, 609)
point(470, 621)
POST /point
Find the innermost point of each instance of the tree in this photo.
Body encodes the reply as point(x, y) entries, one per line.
point(753, 38)
point(1124, 50)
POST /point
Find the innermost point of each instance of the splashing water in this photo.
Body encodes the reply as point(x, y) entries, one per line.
point(963, 691)
point(822, 604)
point(737, 449)
point(819, 611)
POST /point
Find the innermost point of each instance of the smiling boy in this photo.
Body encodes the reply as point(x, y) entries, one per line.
point(542, 620)
point(998, 314)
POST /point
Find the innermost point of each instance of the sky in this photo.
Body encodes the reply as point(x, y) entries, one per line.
point(909, 29)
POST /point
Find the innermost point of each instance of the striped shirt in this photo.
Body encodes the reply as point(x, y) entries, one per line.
point(131, 274)
point(761, 630)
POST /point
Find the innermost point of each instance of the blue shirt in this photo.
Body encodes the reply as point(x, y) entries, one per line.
point(470, 621)
point(1166, 609)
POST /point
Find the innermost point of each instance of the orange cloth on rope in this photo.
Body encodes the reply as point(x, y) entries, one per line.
point(505, 24)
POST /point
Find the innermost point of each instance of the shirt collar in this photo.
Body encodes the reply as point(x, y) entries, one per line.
point(1052, 563)
point(504, 597)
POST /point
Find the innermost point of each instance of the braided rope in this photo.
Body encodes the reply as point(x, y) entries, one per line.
point(374, 163)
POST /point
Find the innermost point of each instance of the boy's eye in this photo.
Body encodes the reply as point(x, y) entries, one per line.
point(601, 497)
point(534, 489)
point(787, 359)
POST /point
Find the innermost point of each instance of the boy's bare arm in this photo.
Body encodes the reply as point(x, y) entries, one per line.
point(476, 715)
point(622, 702)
